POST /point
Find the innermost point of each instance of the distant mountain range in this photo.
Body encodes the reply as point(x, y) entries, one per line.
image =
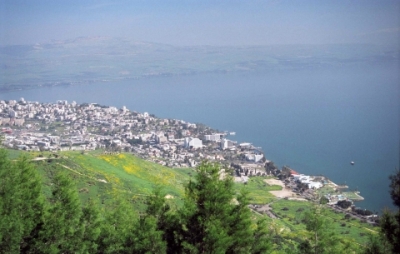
point(92, 59)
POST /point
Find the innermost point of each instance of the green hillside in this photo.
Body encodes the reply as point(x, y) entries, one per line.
point(102, 176)
point(110, 177)
point(105, 177)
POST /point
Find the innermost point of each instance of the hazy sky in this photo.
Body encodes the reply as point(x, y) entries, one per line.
point(189, 22)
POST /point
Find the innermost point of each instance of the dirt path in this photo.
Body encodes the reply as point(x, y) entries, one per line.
point(79, 173)
point(40, 158)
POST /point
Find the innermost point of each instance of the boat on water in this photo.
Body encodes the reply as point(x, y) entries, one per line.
point(232, 133)
point(352, 163)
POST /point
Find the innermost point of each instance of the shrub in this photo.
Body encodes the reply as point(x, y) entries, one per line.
point(323, 200)
point(344, 204)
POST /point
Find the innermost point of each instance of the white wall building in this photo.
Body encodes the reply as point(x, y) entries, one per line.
point(216, 137)
point(224, 144)
point(192, 143)
point(254, 157)
point(314, 185)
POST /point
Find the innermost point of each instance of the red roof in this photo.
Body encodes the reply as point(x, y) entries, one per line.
point(292, 172)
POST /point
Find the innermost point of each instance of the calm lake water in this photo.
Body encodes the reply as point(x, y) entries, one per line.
point(314, 120)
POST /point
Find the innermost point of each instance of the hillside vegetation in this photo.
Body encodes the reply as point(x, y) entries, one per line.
point(75, 202)
point(106, 177)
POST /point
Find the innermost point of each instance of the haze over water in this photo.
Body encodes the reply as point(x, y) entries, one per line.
point(316, 120)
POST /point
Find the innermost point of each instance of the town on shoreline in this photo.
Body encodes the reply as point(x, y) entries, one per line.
point(63, 126)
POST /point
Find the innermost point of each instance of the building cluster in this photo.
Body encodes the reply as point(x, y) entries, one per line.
point(308, 180)
point(61, 126)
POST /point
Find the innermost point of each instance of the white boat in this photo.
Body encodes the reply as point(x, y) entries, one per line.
point(232, 133)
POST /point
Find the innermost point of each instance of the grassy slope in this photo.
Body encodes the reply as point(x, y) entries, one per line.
point(124, 175)
point(134, 178)
point(131, 176)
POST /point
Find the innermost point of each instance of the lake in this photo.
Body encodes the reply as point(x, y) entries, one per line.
point(315, 120)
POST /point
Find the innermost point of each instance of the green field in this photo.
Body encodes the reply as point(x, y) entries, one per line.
point(258, 190)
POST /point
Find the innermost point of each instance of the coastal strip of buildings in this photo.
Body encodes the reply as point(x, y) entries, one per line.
point(64, 126)
point(61, 126)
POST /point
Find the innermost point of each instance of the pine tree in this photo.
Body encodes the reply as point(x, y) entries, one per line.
point(148, 234)
point(62, 230)
point(117, 229)
point(147, 238)
point(91, 221)
point(210, 221)
point(207, 211)
point(21, 203)
point(241, 226)
point(389, 238)
point(159, 209)
point(156, 203)
point(11, 226)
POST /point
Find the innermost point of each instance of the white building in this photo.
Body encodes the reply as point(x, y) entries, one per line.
point(302, 178)
point(227, 144)
point(224, 144)
point(216, 137)
point(314, 185)
point(192, 143)
point(245, 145)
point(254, 157)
